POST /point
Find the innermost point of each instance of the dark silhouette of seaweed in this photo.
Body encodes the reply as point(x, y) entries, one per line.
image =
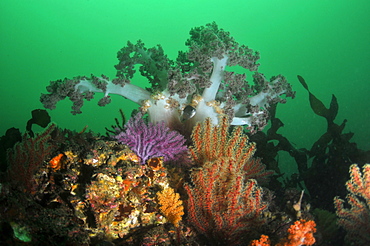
point(323, 169)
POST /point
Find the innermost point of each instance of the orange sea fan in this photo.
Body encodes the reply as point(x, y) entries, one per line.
point(171, 205)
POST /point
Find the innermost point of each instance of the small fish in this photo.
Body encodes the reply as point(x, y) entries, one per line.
point(188, 112)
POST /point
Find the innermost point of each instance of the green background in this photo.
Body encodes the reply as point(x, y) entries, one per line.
point(325, 41)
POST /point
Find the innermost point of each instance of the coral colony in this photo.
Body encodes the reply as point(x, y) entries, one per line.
point(224, 160)
point(187, 90)
point(153, 140)
point(186, 175)
point(356, 220)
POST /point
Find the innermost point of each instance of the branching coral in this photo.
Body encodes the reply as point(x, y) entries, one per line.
point(171, 205)
point(153, 140)
point(356, 220)
point(214, 142)
point(222, 204)
point(27, 156)
point(196, 80)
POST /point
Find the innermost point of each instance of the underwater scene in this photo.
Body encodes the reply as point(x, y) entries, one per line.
point(185, 122)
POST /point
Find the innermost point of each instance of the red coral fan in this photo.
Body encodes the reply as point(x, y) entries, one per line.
point(356, 220)
point(26, 157)
point(222, 204)
point(213, 142)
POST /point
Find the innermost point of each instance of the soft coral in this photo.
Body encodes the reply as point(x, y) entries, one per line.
point(197, 78)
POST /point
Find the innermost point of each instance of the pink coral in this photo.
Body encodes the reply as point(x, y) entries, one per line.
point(153, 140)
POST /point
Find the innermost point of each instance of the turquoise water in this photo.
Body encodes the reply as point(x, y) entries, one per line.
point(326, 43)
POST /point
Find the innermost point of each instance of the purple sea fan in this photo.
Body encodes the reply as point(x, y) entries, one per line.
point(153, 140)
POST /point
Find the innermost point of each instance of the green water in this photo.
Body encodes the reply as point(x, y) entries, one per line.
point(326, 42)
